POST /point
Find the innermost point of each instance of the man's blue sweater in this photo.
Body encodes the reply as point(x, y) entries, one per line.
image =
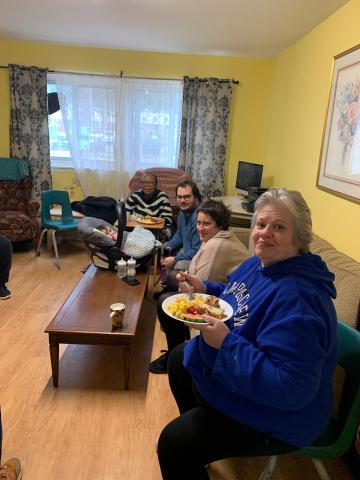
point(186, 237)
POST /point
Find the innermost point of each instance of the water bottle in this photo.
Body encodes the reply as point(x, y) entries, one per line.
point(121, 268)
point(131, 270)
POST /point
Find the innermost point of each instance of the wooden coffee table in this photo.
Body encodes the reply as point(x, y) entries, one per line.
point(85, 316)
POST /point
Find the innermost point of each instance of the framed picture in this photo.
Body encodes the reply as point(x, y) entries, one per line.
point(339, 166)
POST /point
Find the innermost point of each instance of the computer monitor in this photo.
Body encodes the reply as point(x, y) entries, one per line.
point(248, 175)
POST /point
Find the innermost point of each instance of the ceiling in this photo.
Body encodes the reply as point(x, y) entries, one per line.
point(253, 28)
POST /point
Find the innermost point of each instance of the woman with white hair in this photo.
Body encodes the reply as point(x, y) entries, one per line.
point(260, 383)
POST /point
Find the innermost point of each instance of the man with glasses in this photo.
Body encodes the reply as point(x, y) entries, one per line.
point(186, 241)
point(182, 248)
point(150, 201)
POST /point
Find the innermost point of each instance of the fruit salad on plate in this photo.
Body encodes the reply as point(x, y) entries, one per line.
point(193, 309)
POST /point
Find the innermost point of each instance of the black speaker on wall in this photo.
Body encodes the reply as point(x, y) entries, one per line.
point(53, 103)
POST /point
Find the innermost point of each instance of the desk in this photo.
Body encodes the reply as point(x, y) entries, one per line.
point(239, 216)
point(84, 317)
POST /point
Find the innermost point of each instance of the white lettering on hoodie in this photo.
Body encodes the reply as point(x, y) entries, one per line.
point(241, 293)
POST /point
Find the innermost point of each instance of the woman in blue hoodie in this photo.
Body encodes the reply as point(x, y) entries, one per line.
point(261, 383)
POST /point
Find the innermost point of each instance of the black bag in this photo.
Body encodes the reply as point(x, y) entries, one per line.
point(107, 256)
point(98, 207)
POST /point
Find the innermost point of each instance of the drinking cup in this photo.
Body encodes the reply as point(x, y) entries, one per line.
point(117, 314)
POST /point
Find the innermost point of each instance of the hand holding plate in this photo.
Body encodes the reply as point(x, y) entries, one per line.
point(213, 332)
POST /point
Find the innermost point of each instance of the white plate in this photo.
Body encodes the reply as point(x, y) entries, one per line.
point(226, 308)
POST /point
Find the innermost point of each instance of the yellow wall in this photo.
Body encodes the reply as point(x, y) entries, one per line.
point(247, 136)
point(302, 76)
point(67, 180)
point(277, 116)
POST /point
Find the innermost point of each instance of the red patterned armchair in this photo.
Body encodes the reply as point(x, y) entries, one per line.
point(18, 212)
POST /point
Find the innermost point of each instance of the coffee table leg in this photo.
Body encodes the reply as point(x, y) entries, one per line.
point(127, 358)
point(54, 357)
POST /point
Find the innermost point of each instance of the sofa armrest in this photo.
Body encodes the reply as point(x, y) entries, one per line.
point(33, 207)
point(347, 280)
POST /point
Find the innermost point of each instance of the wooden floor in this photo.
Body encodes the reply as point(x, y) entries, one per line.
point(90, 428)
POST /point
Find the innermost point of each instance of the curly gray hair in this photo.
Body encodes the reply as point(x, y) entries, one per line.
point(299, 209)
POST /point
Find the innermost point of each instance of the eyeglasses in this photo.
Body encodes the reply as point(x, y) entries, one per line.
point(183, 197)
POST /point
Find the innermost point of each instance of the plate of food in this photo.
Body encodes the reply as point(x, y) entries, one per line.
point(149, 220)
point(192, 310)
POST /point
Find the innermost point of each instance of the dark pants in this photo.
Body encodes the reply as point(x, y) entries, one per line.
point(0, 437)
point(176, 332)
point(201, 435)
point(5, 259)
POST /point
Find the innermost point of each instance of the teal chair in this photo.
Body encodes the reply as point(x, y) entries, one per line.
point(340, 432)
point(66, 222)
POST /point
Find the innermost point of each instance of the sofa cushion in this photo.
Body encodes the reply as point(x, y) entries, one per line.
point(347, 280)
point(243, 234)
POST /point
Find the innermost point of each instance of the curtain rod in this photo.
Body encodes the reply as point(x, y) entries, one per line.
point(235, 82)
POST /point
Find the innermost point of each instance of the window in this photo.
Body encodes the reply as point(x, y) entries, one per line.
point(157, 120)
point(102, 115)
point(59, 147)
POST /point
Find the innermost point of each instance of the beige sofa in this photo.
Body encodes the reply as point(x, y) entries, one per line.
point(347, 280)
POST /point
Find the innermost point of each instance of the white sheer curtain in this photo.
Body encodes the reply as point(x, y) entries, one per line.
point(115, 126)
point(90, 106)
point(151, 121)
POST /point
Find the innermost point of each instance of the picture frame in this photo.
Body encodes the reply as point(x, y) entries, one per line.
point(339, 164)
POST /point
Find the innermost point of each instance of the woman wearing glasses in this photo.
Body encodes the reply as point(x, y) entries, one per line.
point(149, 201)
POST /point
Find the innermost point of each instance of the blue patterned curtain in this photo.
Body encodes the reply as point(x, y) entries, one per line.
point(29, 131)
point(204, 132)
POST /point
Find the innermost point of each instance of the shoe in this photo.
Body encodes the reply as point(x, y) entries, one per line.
point(11, 470)
point(160, 364)
point(4, 293)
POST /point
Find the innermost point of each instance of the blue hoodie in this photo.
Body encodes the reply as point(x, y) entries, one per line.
point(274, 369)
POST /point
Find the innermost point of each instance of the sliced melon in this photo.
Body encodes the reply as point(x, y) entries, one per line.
point(194, 317)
